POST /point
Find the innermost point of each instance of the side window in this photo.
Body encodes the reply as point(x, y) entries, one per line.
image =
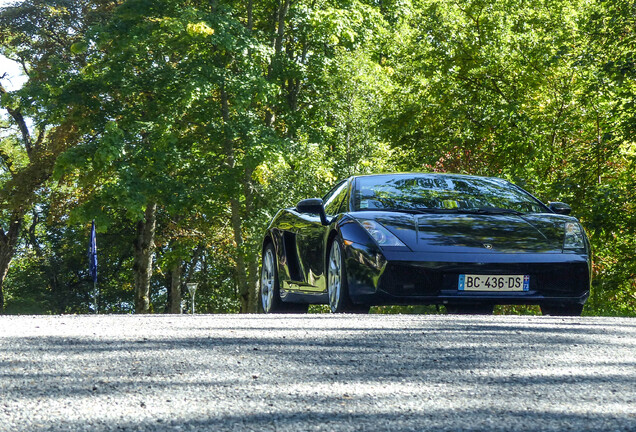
point(335, 197)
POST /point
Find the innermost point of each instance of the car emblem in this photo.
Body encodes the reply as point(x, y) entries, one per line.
point(487, 245)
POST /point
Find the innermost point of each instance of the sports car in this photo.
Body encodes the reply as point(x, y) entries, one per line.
point(465, 242)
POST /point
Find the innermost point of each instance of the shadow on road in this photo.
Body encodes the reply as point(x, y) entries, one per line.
point(299, 373)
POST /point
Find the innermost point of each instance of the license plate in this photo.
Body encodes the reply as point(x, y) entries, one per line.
point(468, 282)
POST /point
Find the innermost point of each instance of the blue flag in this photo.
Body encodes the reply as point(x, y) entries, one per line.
point(92, 254)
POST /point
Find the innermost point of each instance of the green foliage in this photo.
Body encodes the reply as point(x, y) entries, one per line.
point(517, 310)
point(223, 115)
point(429, 310)
point(534, 92)
point(50, 272)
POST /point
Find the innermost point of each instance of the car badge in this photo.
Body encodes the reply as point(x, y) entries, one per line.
point(487, 245)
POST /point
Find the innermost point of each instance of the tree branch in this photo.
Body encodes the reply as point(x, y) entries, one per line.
point(6, 160)
point(40, 137)
point(24, 130)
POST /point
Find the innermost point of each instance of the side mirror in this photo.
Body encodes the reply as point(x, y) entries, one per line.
point(560, 208)
point(313, 206)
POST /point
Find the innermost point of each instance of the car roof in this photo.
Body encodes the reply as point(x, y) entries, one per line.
point(415, 174)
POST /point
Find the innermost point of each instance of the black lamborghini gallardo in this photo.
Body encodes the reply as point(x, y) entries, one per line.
point(465, 242)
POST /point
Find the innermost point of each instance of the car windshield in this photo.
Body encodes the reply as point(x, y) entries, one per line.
point(442, 193)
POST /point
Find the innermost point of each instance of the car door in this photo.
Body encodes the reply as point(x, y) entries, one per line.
point(310, 239)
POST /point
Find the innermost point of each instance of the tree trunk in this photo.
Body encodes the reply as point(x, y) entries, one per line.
point(250, 19)
point(252, 281)
point(251, 258)
point(144, 247)
point(235, 208)
point(8, 243)
point(5, 260)
point(175, 288)
point(274, 65)
point(241, 269)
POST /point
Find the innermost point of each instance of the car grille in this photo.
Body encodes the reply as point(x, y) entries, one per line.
point(413, 279)
point(410, 280)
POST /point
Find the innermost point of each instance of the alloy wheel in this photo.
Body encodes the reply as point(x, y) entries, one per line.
point(334, 286)
point(267, 281)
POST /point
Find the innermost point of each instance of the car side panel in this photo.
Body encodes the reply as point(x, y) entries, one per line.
point(281, 232)
point(310, 236)
point(299, 241)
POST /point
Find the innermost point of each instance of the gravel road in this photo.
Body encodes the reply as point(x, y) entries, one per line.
point(317, 372)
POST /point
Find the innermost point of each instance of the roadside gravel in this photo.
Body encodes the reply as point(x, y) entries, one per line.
point(317, 373)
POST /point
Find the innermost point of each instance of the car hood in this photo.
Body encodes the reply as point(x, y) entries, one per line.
point(475, 233)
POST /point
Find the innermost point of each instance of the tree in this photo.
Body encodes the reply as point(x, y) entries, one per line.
point(177, 93)
point(182, 126)
point(535, 92)
point(41, 36)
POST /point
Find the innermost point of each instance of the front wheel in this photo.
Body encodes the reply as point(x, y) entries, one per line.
point(270, 287)
point(574, 309)
point(337, 286)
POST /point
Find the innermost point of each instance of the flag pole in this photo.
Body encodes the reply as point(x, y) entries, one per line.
point(96, 294)
point(92, 264)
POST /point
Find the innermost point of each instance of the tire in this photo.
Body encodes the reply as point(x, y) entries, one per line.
point(573, 309)
point(484, 309)
point(337, 285)
point(270, 287)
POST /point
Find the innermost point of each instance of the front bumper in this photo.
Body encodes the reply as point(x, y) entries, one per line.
point(404, 277)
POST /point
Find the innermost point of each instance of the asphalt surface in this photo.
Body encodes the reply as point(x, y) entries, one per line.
point(317, 372)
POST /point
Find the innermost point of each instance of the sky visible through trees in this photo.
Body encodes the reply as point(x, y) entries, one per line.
point(181, 127)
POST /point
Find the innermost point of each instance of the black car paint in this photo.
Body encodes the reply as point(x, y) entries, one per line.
point(438, 247)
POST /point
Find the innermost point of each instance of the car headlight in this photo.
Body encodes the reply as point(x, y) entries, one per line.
point(574, 238)
point(381, 235)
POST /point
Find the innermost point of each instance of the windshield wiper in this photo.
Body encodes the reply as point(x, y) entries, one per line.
point(495, 211)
